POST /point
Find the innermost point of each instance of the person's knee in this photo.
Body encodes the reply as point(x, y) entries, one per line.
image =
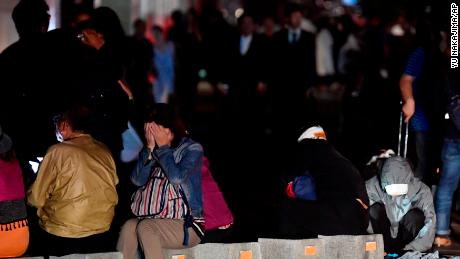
point(127, 233)
point(147, 228)
point(129, 226)
point(377, 210)
point(416, 218)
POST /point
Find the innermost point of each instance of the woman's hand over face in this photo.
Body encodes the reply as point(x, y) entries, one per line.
point(163, 136)
point(149, 135)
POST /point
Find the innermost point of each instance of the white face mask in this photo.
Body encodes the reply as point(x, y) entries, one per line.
point(59, 136)
point(396, 189)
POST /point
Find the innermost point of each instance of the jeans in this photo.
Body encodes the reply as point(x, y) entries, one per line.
point(447, 185)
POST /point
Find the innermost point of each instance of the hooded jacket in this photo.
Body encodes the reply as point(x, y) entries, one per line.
point(396, 170)
point(337, 180)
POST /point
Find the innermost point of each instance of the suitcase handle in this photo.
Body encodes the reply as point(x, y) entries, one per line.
point(406, 135)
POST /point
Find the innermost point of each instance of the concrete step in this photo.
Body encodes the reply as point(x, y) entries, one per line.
point(292, 249)
point(354, 247)
point(324, 247)
point(217, 251)
point(111, 255)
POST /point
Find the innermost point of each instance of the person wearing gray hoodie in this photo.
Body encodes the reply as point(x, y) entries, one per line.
point(406, 219)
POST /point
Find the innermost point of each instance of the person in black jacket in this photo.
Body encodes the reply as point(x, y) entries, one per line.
point(23, 93)
point(341, 201)
point(295, 70)
point(248, 71)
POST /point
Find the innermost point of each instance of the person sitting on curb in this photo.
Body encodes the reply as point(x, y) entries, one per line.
point(74, 192)
point(339, 205)
point(14, 230)
point(401, 208)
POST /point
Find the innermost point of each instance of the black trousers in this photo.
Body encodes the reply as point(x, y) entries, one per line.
point(409, 226)
point(305, 219)
point(47, 244)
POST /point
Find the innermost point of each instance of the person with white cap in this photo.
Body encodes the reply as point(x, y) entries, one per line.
point(14, 230)
point(340, 201)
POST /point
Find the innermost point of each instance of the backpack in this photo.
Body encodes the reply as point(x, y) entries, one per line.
point(158, 198)
point(216, 212)
point(303, 187)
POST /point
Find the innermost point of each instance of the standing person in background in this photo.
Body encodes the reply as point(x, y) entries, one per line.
point(419, 86)
point(140, 68)
point(74, 192)
point(14, 230)
point(450, 175)
point(295, 62)
point(190, 65)
point(23, 91)
point(105, 64)
point(247, 84)
point(169, 151)
point(269, 27)
point(325, 66)
point(163, 59)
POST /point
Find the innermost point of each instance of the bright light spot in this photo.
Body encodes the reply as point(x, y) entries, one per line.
point(34, 166)
point(39, 158)
point(239, 12)
point(202, 73)
point(397, 30)
point(350, 2)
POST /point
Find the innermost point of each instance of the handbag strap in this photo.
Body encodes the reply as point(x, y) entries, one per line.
point(188, 218)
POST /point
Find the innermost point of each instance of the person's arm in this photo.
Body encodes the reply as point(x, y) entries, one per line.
point(141, 172)
point(405, 86)
point(373, 190)
point(177, 172)
point(44, 185)
point(425, 237)
point(125, 87)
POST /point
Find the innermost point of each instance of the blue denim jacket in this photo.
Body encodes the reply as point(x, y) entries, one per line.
point(182, 166)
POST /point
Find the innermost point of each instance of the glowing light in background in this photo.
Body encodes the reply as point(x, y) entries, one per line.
point(350, 2)
point(239, 12)
point(55, 14)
